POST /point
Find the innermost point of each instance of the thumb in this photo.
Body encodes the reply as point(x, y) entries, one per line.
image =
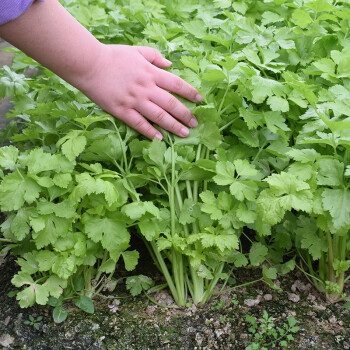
point(154, 56)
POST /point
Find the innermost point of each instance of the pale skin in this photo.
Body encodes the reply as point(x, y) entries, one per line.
point(128, 82)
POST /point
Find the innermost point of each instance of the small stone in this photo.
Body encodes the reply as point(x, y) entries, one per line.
point(199, 339)
point(293, 297)
point(95, 326)
point(6, 340)
point(219, 332)
point(7, 320)
point(150, 310)
point(251, 302)
point(311, 298)
point(333, 320)
point(319, 307)
point(268, 297)
point(244, 336)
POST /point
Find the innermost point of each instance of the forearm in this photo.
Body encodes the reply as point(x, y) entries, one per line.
point(50, 35)
point(128, 82)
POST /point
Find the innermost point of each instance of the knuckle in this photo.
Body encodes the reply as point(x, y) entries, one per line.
point(175, 126)
point(140, 124)
point(172, 103)
point(128, 101)
point(148, 70)
point(160, 116)
point(178, 84)
point(188, 116)
point(149, 129)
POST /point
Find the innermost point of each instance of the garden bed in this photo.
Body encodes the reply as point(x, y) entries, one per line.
point(135, 323)
point(259, 191)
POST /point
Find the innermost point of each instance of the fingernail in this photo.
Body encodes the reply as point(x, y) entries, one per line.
point(198, 98)
point(167, 61)
point(184, 132)
point(193, 122)
point(159, 136)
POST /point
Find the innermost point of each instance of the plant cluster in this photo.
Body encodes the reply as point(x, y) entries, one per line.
point(268, 165)
point(266, 335)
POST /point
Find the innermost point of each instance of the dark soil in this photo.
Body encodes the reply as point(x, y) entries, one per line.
point(136, 323)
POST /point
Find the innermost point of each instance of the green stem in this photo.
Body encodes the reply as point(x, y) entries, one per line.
point(239, 286)
point(331, 276)
point(165, 272)
point(224, 97)
point(156, 303)
point(209, 292)
point(177, 259)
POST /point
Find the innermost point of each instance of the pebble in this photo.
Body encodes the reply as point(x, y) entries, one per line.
point(311, 298)
point(6, 340)
point(302, 287)
point(219, 332)
point(293, 297)
point(319, 307)
point(251, 302)
point(333, 320)
point(268, 297)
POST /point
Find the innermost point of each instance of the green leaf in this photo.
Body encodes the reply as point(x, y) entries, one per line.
point(310, 240)
point(257, 253)
point(130, 259)
point(137, 284)
point(225, 173)
point(301, 18)
point(47, 228)
point(110, 231)
point(59, 314)
point(330, 172)
point(155, 153)
point(210, 205)
point(240, 260)
point(190, 212)
point(149, 229)
point(45, 259)
point(16, 189)
point(222, 241)
point(8, 157)
point(62, 180)
point(337, 202)
point(136, 210)
point(85, 303)
point(303, 155)
point(269, 273)
point(19, 225)
point(72, 145)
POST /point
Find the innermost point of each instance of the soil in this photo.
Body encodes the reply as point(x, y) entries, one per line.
point(135, 323)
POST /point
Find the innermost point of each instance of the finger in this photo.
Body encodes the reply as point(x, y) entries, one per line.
point(136, 121)
point(162, 118)
point(173, 83)
point(171, 104)
point(154, 56)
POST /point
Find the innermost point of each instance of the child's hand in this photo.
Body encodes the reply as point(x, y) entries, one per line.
point(128, 82)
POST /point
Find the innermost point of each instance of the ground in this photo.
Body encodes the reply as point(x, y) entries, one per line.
point(135, 323)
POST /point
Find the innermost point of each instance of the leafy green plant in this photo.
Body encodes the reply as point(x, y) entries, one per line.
point(64, 221)
point(266, 335)
point(266, 170)
point(34, 322)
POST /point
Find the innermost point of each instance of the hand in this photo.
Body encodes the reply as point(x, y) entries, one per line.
point(128, 82)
